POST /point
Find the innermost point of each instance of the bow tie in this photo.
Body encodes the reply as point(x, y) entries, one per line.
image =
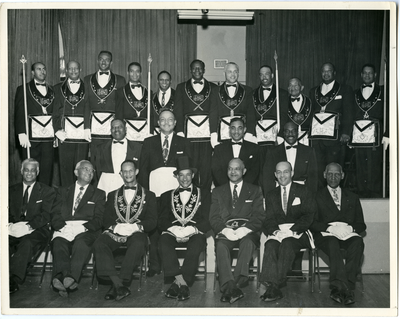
point(237, 143)
point(77, 82)
point(184, 190)
point(130, 187)
point(291, 146)
point(293, 99)
point(198, 82)
point(367, 86)
point(105, 72)
point(135, 86)
point(42, 84)
point(268, 89)
point(230, 85)
point(118, 142)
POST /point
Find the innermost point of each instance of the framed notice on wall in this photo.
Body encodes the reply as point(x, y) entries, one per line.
point(220, 63)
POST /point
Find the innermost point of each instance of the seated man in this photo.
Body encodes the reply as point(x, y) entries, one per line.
point(77, 220)
point(338, 225)
point(184, 221)
point(29, 211)
point(130, 212)
point(290, 212)
point(236, 217)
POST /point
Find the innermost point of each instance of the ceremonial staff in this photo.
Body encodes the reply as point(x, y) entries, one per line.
point(23, 61)
point(277, 93)
point(384, 130)
point(149, 59)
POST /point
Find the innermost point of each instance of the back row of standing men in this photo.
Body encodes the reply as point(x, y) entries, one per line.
point(79, 112)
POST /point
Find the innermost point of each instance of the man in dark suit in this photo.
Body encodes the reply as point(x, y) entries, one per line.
point(165, 95)
point(330, 96)
point(236, 147)
point(39, 102)
point(77, 221)
point(236, 217)
point(193, 103)
point(160, 151)
point(130, 212)
point(290, 212)
point(338, 225)
point(70, 101)
point(232, 99)
point(101, 92)
point(29, 212)
point(301, 157)
point(110, 155)
point(183, 222)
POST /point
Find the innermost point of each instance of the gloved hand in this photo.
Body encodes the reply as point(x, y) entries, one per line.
point(242, 231)
point(61, 135)
point(250, 138)
point(344, 138)
point(86, 135)
point(23, 140)
point(19, 229)
point(214, 140)
point(385, 142)
point(230, 234)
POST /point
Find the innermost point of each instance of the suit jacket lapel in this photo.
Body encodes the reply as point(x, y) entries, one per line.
point(18, 201)
point(70, 199)
point(227, 197)
point(282, 151)
point(278, 200)
point(88, 194)
point(108, 156)
point(244, 194)
point(330, 204)
point(33, 198)
point(291, 197)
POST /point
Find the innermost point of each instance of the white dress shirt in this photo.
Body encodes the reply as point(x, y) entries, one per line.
point(238, 188)
point(73, 87)
point(137, 91)
point(339, 194)
point(266, 93)
point(162, 136)
point(367, 91)
point(291, 154)
point(231, 89)
point(167, 96)
point(297, 104)
point(118, 154)
point(236, 148)
point(198, 87)
point(129, 194)
point(185, 196)
point(287, 193)
point(77, 191)
point(103, 79)
point(24, 186)
point(325, 88)
point(42, 89)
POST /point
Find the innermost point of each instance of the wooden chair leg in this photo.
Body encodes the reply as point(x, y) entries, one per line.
point(44, 264)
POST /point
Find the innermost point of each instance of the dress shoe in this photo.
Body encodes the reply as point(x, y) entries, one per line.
point(111, 293)
point(70, 283)
point(242, 281)
point(152, 273)
point(236, 295)
point(173, 291)
point(122, 292)
point(348, 297)
point(272, 293)
point(226, 296)
point(13, 285)
point(336, 295)
point(184, 293)
point(58, 285)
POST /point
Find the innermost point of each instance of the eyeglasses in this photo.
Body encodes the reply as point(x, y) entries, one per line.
point(88, 170)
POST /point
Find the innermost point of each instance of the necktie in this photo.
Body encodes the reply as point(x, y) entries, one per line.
point(198, 82)
point(78, 198)
point(284, 200)
point(268, 89)
point(130, 187)
point(118, 142)
point(24, 203)
point(230, 85)
point(77, 82)
point(165, 149)
point(135, 86)
point(104, 73)
point(163, 99)
point(293, 99)
point(238, 143)
point(291, 146)
point(367, 86)
point(42, 84)
point(184, 189)
point(336, 198)
point(235, 197)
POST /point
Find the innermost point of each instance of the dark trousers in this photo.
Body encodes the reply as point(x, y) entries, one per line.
point(223, 250)
point(279, 257)
point(342, 274)
point(103, 250)
point(154, 252)
point(369, 171)
point(195, 246)
point(22, 249)
point(69, 155)
point(69, 258)
point(201, 158)
point(44, 153)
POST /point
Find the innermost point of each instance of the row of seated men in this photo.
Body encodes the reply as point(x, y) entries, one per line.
point(76, 116)
point(82, 219)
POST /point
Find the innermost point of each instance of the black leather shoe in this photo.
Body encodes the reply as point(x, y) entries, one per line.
point(348, 297)
point(173, 291)
point(236, 295)
point(226, 297)
point(184, 293)
point(13, 285)
point(122, 292)
point(272, 293)
point(111, 293)
point(152, 273)
point(336, 295)
point(70, 283)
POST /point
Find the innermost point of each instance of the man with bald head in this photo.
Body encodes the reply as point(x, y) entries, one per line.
point(70, 106)
point(236, 216)
point(290, 212)
point(338, 225)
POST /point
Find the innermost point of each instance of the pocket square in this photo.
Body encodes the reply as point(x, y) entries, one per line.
point(296, 201)
point(39, 201)
point(89, 202)
point(248, 201)
point(251, 156)
point(179, 152)
point(338, 97)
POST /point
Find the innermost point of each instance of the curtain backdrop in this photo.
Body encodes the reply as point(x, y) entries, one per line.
point(305, 39)
point(129, 34)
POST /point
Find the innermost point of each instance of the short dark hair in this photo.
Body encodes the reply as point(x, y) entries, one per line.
point(166, 72)
point(236, 119)
point(369, 65)
point(199, 61)
point(135, 63)
point(331, 64)
point(105, 52)
point(266, 66)
point(165, 109)
point(129, 161)
point(118, 119)
point(34, 65)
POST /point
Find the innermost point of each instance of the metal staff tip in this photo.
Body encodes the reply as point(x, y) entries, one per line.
point(275, 56)
point(149, 59)
point(23, 60)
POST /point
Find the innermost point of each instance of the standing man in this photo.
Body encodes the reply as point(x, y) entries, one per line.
point(39, 102)
point(299, 110)
point(192, 109)
point(330, 99)
point(183, 222)
point(338, 225)
point(101, 91)
point(130, 213)
point(77, 221)
point(132, 103)
point(236, 147)
point(70, 108)
point(110, 155)
point(290, 212)
point(236, 217)
point(301, 158)
point(233, 99)
point(29, 212)
point(165, 96)
point(368, 109)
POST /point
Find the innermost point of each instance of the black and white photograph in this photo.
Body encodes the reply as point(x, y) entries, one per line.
point(199, 158)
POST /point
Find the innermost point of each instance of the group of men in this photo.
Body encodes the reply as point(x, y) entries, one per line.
point(153, 176)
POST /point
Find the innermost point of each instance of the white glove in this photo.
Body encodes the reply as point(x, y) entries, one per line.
point(123, 229)
point(62, 135)
point(242, 232)
point(23, 140)
point(250, 138)
point(214, 140)
point(385, 142)
point(86, 135)
point(19, 229)
point(230, 234)
point(279, 140)
point(180, 134)
point(189, 231)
